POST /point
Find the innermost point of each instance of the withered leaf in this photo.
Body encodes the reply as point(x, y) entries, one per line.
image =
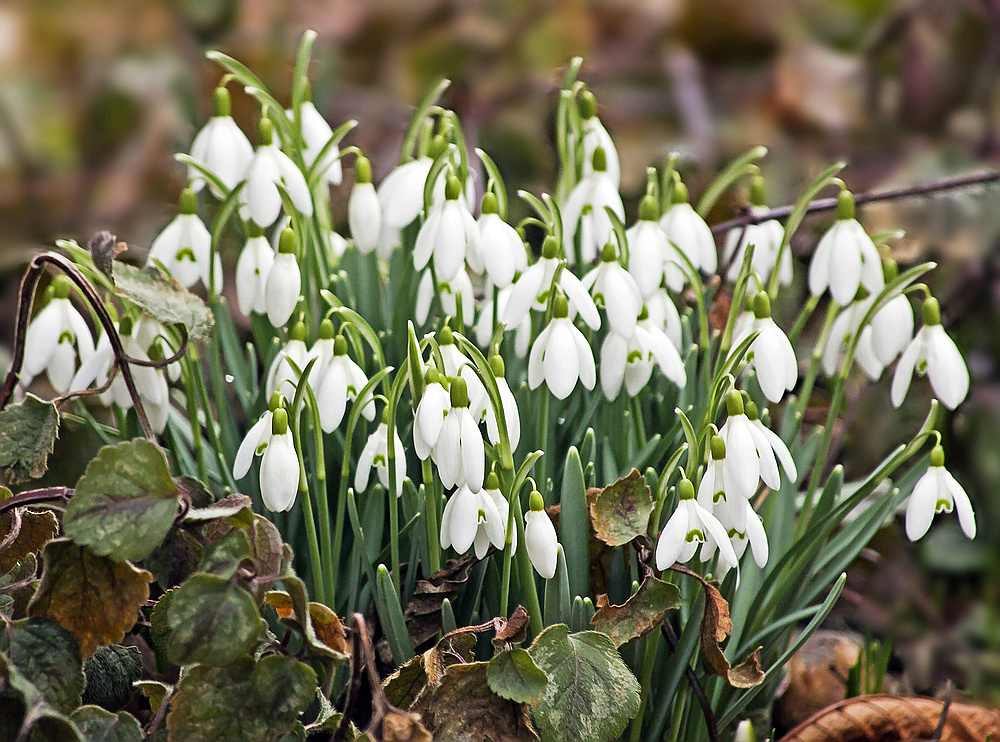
point(403, 686)
point(638, 615)
point(38, 527)
point(514, 630)
point(621, 511)
point(104, 248)
point(423, 612)
point(95, 598)
point(747, 674)
point(29, 435)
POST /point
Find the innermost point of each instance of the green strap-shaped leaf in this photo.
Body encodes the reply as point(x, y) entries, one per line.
point(574, 524)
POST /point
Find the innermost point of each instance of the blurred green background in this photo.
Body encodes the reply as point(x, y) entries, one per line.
point(97, 95)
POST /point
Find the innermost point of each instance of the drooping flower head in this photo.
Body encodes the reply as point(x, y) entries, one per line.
point(933, 353)
point(284, 281)
point(283, 375)
point(340, 382)
point(647, 250)
point(450, 235)
point(531, 290)
point(845, 258)
point(540, 537)
point(596, 136)
point(584, 211)
point(220, 147)
point(936, 492)
point(689, 526)
point(561, 355)
point(766, 238)
point(770, 354)
point(459, 451)
point(184, 246)
point(252, 270)
point(375, 455)
point(686, 233)
point(316, 133)
point(613, 288)
point(260, 199)
point(501, 247)
point(57, 340)
point(364, 213)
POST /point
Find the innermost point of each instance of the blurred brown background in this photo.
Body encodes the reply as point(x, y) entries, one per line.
point(97, 95)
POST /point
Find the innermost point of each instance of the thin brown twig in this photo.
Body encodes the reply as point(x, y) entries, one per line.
point(891, 194)
point(699, 692)
point(26, 297)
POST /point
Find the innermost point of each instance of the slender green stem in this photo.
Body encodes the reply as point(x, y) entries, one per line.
point(648, 659)
point(319, 589)
point(330, 559)
point(210, 427)
point(817, 356)
point(431, 516)
point(804, 315)
point(542, 435)
point(508, 552)
point(191, 399)
point(524, 571)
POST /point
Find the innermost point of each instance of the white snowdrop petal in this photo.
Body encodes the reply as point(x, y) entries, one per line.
point(921, 506)
point(672, 538)
point(541, 542)
point(904, 371)
point(473, 452)
point(279, 473)
point(561, 361)
point(966, 517)
point(258, 433)
point(948, 374)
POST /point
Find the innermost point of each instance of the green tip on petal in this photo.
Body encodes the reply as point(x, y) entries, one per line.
point(253, 230)
point(362, 170)
point(286, 243)
point(890, 269)
point(937, 456)
point(550, 247)
point(718, 447)
point(279, 422)
point(762, 305)
point(298, 331)
point(608, 253)
point(222, 104)
point(265, 132)
point(490, 204)
point(125, 326)
point(188, 202)
point(679, 194)
point(643, 314)
point(600, 160)
point(649, 209)
point(734, 403)
point(445, 336)
point(685, 490)
point(459, 392)
point(758, 194)
point(497, 366)
point(276, 402)
point(60, 287)
point(588, 105)
point(326, 331)
point(845, 205)
point(931, 312)
point(453, 188)
point(535, 502)
point(492, 481)
point(156, 351)
point(560, 307)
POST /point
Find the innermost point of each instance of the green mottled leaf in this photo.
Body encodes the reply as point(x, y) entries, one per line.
point(110, 673)
point(14, 600)
point(37, 529)
point(212, 622)
point(591, 693)
point(638, 615)
point(25, 714)
point(241, 702)
point(164, 298)
point(95, 598)
point(514, 675)
point(29, 430)
point(47, 656)
point(621, 511)
point(99, 725)
point(125, 502)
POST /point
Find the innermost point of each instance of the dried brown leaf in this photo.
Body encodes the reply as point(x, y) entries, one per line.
point(641, 613)
point(423, 612)
point(620, 512)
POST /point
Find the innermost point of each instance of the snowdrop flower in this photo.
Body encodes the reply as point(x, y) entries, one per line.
point(458, 286)
point(512, 418)
point(364, 212)
point(843, 331)
point(614, 288)
point(376, 454)
point(540, 537)
point(584, 209)
point(648, 247)
point(154, 391)
point(531, 290)
point(220, 147)
point(471, 518)
point(561, 355)
point(845, 258)
point(184, 246)
point(933, 353)
point(768, 439)
point(936, 492)
point(339, 383)
point(892, 328)
point(279, 466)
point(429, 417)
point(259, 199)
point(687, 233)
point(632, 360)
point(770, 353)
point(282, 375)
point(595, 136)
point(257, 438)
point(501, 247)
point(316, 132)
point(284, 281)
point(401, 194)
point(55, 339)
point(449, 234)
point(459, 452)
point(751, 450)
point(484, 325)
point(663, 315)
point(491, 491)
point(252, 270)
point(766, 238)
point(688, 526)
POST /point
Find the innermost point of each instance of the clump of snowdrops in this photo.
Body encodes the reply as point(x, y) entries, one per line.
point(565, 444)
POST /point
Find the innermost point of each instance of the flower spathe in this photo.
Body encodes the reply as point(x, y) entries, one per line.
point(689, 526)
point(220, 147)
point(540, 538)
point(375, 455)
point(933, 353)
point(845, 258)
point(935, 492)
point(269, 167)
point(561, 355)
point(184, 247)
point(55, 339)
